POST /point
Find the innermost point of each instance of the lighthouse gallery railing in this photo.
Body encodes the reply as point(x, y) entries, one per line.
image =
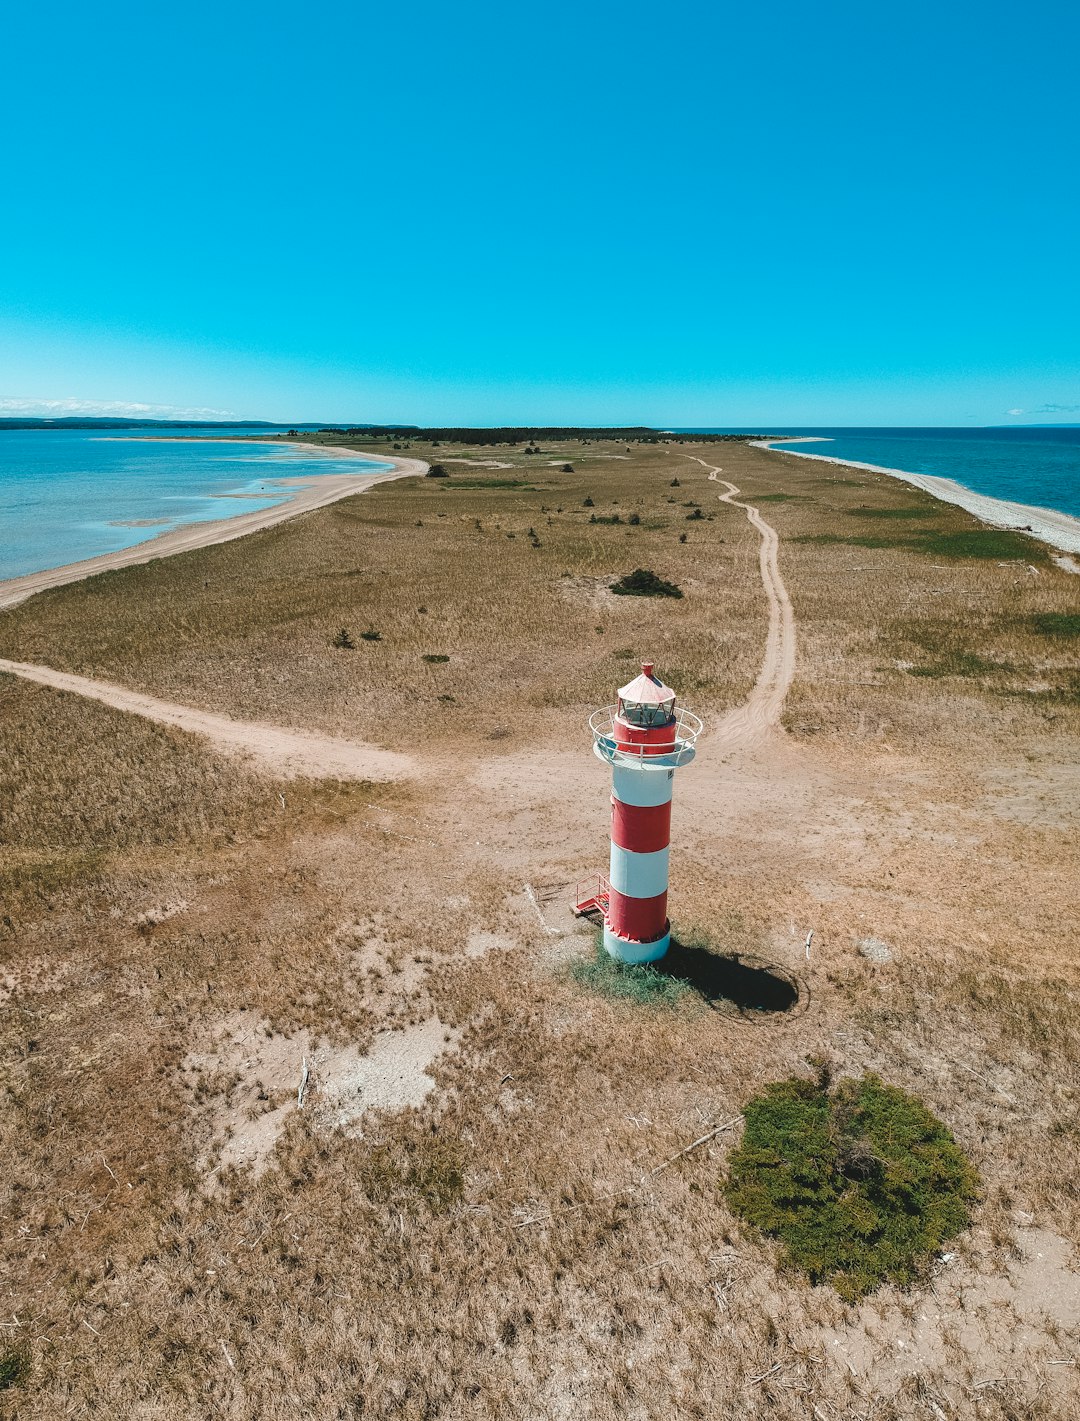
point(659, 755)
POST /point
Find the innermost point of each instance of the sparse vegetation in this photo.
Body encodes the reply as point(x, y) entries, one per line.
point(343, 640)
point(643, 984)
point(861, 1184)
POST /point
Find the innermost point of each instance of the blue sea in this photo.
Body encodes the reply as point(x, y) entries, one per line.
point(1040, 467)
point(70, 494)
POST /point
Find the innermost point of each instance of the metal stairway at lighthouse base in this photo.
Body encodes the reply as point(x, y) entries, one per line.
point(591, 896)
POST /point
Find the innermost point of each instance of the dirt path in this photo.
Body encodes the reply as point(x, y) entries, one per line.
point(312, 491)
point(749, 723)
point(275, 749)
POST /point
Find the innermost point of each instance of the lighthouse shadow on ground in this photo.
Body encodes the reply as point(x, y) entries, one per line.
point(732, 982)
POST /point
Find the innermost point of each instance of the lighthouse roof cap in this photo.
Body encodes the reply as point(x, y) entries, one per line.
point(646, 689)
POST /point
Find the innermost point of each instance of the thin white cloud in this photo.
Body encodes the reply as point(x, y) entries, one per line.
point(1014, 411)
point(13, 406)
point(1057, 409)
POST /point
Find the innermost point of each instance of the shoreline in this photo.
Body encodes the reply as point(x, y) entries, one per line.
point(1048, 525)
point(311, 491)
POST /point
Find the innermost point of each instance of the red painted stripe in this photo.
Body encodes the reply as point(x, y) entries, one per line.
point(640, 828)
point(638, 919)
point(646, 739)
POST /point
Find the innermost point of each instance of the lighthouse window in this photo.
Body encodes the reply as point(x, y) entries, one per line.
point(646, 715)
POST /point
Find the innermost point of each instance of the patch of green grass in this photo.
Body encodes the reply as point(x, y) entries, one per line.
point(643, 583)
point(435, 658)
point(1059, 624)
point(949, 648)
point(915, 511)
point(981, 543)
point(962, 663)
point(853, 540)
point(14, 1366)
point(640, 983)
point(861, 1185)
point(990, 543)
point(779, 498)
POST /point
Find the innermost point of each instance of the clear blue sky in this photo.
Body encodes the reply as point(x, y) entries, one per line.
point(671, 214)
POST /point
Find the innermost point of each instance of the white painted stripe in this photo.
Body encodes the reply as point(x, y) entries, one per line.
point(638, 875)
point(625, 951)
point(643, 788)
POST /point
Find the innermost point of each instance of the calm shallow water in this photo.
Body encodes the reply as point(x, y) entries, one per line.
point(66, 495)
point(1033, 466)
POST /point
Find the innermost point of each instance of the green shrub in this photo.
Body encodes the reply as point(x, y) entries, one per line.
point(861, 1185)
point(643, 583)
point(436, 658)
point(437, 471)
point(343, 640)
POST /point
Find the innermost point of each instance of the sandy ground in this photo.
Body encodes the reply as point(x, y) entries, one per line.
point(817, 838)
point(1060, 530)
point(313, 492)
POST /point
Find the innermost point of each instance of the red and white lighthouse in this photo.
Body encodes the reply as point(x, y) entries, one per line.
point(645, 740)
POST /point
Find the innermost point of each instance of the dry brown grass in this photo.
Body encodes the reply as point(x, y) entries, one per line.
point(502, 1251)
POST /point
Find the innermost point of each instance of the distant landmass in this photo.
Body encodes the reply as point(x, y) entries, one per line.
point(84, 422)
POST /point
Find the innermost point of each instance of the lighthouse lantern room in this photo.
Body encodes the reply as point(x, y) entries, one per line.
point(645, 739)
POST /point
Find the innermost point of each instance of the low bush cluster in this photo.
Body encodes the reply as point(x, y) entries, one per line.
point(861, 1184)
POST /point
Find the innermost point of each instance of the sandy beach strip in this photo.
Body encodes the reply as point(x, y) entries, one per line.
point(1060, 530)
point(305, 493)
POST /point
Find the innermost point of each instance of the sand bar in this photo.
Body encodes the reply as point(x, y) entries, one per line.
point(306, 492)
point(1060, 530)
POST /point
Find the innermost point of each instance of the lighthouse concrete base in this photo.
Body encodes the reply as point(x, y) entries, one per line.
point(623, 950)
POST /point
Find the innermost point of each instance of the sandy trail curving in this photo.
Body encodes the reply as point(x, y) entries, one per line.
point(749, 723)
point(278, 750)
point(311, 491)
